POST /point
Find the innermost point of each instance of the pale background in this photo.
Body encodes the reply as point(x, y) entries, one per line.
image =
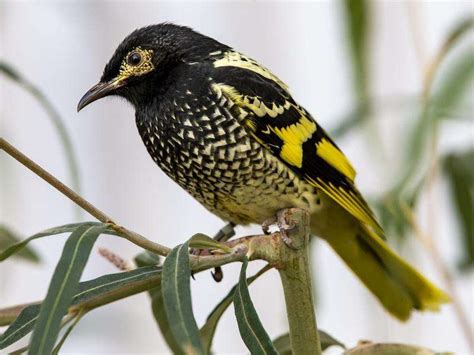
point(63, 46)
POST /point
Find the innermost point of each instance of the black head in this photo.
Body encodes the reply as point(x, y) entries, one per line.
point(142, 63)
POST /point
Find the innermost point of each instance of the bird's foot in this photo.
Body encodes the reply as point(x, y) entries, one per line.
point(223, 235)
point(268, 223)
point(281, 220)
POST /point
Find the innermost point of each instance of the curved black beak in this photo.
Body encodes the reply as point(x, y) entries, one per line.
point(97, 92)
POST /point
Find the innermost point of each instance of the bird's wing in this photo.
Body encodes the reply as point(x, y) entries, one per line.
point(267, 110)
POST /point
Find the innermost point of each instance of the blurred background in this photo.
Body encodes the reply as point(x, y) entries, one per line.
point(391, 79)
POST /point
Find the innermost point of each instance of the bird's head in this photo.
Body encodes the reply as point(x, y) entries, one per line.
point(142, 63)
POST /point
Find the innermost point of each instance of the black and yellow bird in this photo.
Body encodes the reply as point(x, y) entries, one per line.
point(228, 131)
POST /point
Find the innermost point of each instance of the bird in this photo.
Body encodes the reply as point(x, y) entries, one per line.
point(228, 131)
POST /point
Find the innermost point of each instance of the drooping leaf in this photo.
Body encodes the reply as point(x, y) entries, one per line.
point(53, 114)
point(67, 228)
point(147, 258)
point(202, 241)
point(208, 330)
point(357, 19)
point(459, 168)
point(90, 294)
point(62, 288)
point(68, 331)
point(369, 348)
point(8, 237)
point(283, 344)
point(22, 325)
point(450, 83)
point(251, 329)
point(176, 292)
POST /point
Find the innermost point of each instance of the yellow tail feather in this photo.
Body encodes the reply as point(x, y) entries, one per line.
point(398, 286)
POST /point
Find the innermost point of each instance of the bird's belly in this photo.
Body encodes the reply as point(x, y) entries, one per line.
point(231, 174)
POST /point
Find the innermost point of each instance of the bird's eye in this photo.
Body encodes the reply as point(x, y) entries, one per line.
point(134, 59)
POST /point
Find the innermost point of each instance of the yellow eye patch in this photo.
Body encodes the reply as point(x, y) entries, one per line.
point(137, 62)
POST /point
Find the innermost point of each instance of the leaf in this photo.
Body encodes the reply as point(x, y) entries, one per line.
point(147, 258)
point(251, 329)
point(283, 344)
point(176, 293)
point(90, 294)
point(22, 325)
point(14, 248)
point(208, 330)
point(7, 237)
point(369, 348)
point(357, 13)
point(62, 288)
point(327, 340)
point(447, 84)
point(77, 318)
point(53, 115)
point(202, 241)
point(459, 169)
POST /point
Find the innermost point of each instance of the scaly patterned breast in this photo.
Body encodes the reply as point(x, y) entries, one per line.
point(197, 142)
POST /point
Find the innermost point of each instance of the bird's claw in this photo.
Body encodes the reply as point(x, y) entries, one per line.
point(267, 224)
point(284, 226)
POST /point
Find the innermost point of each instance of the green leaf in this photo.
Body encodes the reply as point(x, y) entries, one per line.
point(450, 84)
point(369, 348)
point(209, 328)
point(90, 294)
point(459, 168)
point(67, 228)
point(283, 344)
point(251, 329)
point(202, 241)
point(61, 342)
point(22, 325)
point(62, 288)
point(327, 340)
point(53, 115)
point(147, 258)
point(157, 305)
point(357, 13)
point(176, 293)
point(8, 237)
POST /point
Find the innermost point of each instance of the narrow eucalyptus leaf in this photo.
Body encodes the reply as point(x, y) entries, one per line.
point(22, 325)
point(283, 343)
point(459, 169)
point(147, 258)
point(67, 228)
point(176, 294)
point(357, 13)
point(8, 238)
point(202, 241)
point(63, 287)
point(89, 295)
point(327, 340)
point(251, 329)
point(55, 118)
point(208, 330)
point(389, 349)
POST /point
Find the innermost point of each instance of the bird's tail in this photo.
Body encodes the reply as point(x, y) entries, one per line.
point(398, 286)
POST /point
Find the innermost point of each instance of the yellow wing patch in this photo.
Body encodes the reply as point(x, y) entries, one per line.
point(334, 157)
point(236, 59)
point(293, 137)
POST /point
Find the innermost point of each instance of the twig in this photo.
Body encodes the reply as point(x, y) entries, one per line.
point(86, 205)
